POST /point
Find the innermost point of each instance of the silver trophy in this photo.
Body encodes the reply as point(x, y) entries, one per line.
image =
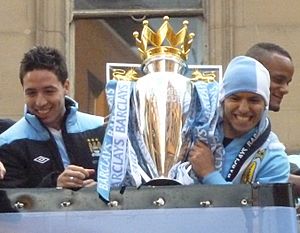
point(163, 95)
point(154, 110)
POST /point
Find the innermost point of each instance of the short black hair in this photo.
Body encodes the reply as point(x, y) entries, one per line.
point(260, 50)
point(42, 57)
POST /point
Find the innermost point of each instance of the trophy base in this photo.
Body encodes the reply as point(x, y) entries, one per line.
point(162, 182)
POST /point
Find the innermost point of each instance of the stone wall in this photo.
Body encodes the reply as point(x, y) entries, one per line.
point(232, 27)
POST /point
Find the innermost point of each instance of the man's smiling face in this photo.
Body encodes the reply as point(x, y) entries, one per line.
point(281, 71)
point(44, 96)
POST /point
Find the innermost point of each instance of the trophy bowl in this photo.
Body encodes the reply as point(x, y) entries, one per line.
point(163, 98)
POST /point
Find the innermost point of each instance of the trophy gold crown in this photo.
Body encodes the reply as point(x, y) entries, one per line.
point(165, 41)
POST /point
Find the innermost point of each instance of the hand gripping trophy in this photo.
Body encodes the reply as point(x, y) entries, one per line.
point(155, 118)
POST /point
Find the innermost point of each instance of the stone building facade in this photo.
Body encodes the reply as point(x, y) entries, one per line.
point(228, 27)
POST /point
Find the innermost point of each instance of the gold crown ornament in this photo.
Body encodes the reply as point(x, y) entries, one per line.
point(165, 42)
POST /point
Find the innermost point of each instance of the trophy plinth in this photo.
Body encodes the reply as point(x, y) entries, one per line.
point(162, 181)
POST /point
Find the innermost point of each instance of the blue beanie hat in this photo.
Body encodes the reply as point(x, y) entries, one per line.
point(245, 74)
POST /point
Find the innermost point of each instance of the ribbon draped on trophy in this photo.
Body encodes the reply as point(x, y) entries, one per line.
point(155, 118)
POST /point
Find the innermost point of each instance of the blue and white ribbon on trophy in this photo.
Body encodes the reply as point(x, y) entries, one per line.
point(200, 125)
point(205, 124)
point(114, 159)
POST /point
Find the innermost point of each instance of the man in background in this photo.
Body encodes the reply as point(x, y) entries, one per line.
point(280, 66)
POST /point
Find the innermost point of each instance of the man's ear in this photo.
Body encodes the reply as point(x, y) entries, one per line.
point(67, 87)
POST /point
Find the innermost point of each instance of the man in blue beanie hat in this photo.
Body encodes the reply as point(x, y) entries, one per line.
point(251, 153)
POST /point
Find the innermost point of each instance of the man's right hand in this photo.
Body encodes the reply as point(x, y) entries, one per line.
point(75, 177)
point(202, 159)
point(2, 170)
